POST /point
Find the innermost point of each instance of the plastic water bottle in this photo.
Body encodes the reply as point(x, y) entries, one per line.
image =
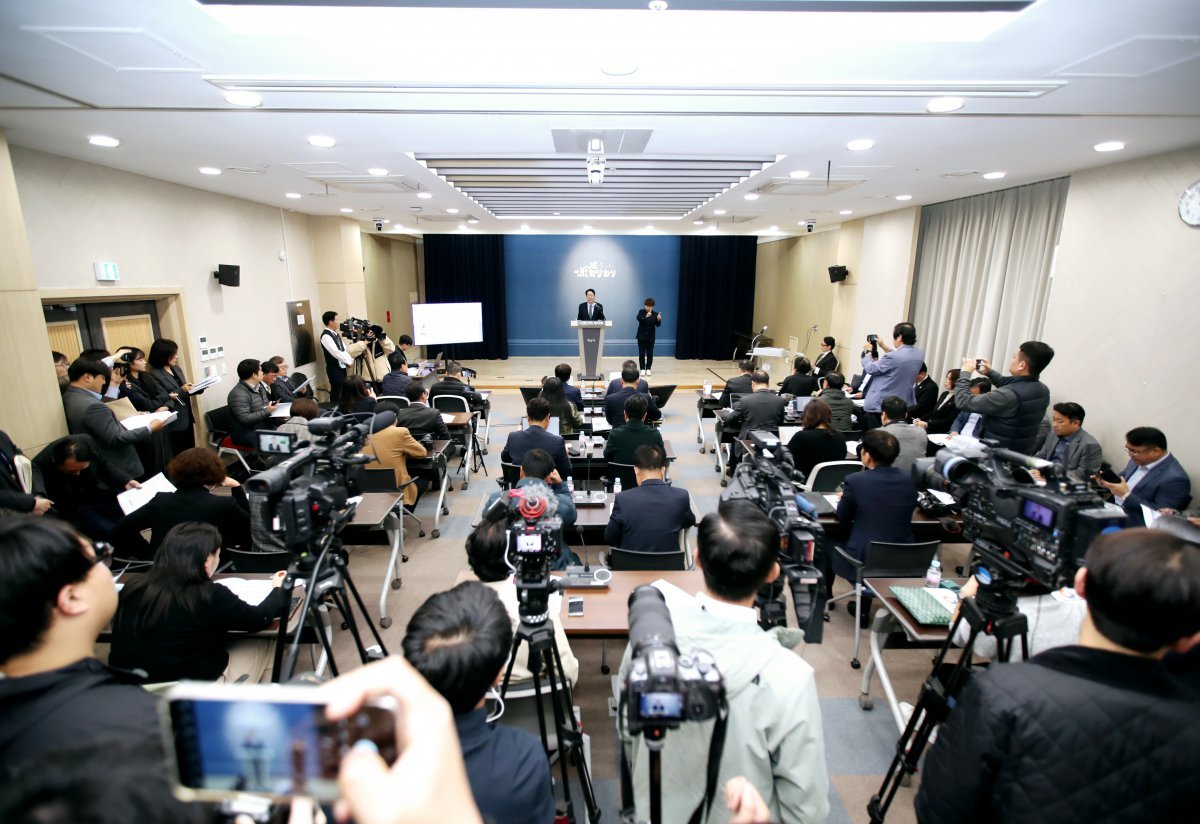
point(933, 576)
point(571, 485)
point(707, 388)
point(617, 487)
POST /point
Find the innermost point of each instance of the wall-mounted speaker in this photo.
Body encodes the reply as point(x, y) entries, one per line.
point(838, 273)
point(228, 275)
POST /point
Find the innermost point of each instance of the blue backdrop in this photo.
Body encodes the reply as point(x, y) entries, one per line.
point(546, 276)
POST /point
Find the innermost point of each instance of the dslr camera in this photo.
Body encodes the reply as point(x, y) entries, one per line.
point(534, 543)
point(662, 687)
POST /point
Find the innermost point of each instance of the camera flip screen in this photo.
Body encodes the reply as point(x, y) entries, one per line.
point(277, 443)
point(529, 544)
point(656, 705)
point(1038, 513)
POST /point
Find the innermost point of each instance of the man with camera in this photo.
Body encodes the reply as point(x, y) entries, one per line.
point(1095, 732)
point(537, 465)
point(774, 733)
point(893, 374)
point(337, 359)
point(1013, 411)
point(87, 414)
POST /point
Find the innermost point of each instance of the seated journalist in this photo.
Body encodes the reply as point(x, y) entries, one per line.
point(623, 441)
point(649, 517)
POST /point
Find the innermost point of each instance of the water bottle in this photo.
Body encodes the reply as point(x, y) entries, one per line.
point(571, 485)
point(707, 388)
point(617, 487)
point(933, 576)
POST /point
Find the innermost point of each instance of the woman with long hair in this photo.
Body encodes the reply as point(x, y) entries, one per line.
point(174, 621)
point(356, 396)
point(817, 441)
point(801, 382)
point(169, 380)
point(569, 419)
point(144, 395)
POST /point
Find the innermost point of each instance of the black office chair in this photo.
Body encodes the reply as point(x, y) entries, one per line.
point(400, 400)
point(883, 560)
point(249, 562)
point(511, 473)
point(624, 472)
point(384, 480)
point(620, 560)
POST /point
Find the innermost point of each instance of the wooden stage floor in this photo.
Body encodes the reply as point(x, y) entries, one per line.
point(514, 372)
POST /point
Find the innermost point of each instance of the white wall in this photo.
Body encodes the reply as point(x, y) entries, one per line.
point(165, 235)
point(1124, 304)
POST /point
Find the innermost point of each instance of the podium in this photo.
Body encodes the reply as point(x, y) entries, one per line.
point(591, 344)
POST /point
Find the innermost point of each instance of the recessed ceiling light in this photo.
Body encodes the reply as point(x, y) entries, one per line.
point(751, 195)
point(250, 100)
point(209, 170)
point(799, 174)
point(104, 140)
point(994, 175)
point(346, 211)
point(649, 228)
point(619, 66)
point(322, 141)
point(903, 197)
point(555, 214)
point(712, 226)
point(773, 229)
point(697, 222)
point(718, 211)
point(462, 227)
point(377, 172)
point(385, 220)
point(293, 195)
point(860, 145)
point(425, 195)
point(846, 212)
point(524, 227)
point(658, 5)
point(941, 105)
point(452, 211)
point(472, 220)
point(1109, 146)
point(587, 228)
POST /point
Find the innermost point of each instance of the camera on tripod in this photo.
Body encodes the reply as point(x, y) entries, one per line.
point(767, 478)
point(662, 687)
point(534, 542)
point(356, 329)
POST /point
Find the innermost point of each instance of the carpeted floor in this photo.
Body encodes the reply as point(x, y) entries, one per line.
point(858, 745)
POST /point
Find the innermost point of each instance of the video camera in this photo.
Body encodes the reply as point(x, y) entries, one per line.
point(534, 542)
point(767, 478)
point(357, 329)
point(1021, 531)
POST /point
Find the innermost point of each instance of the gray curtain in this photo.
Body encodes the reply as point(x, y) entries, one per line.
point(983, 273)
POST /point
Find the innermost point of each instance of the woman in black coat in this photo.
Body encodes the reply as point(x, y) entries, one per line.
point(168, 378)
point(801, 383)
point(194, 473)
point(144, 394)
point(817, 442)
point(648, 321)
point(356, 396)
point(174, 621)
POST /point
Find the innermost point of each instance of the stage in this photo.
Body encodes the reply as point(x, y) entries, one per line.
point(686, 374)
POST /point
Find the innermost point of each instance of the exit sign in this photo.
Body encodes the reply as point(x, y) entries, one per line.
point(106, 271)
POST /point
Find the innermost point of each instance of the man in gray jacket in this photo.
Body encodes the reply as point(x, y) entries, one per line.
point(912, 439)
point(250, 406)
point(774, 736)
point(88, 415)
point(1069, 444)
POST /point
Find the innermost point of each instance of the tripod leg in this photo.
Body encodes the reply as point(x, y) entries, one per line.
point(573, 733)
point(362, 608)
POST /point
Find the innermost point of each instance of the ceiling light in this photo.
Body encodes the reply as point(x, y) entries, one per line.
point(346, 211)
point(425, 195)
point(941, 105)
point(903, 197)
point(799, 174)
point(472, 220)
point(718, 211)
point(650, 228)
point(994, 175)
point(697, 222)
point(524, 227)
point(712, 226)
point(658, 5)
point(293, 195)
point(462, 227)
point(773, 229)
point(860, 145)
point(1109, 146)
point(846, 212)
point(377, 172)
point(385, 220)
point(209, 170)
point(452, 211)
point(322, 141)
point(587, 228)
point(104, 140)
point(751, 195)
point(250, 100)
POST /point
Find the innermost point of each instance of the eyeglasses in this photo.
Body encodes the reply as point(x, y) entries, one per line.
point(104, 553)
point(1139, 450)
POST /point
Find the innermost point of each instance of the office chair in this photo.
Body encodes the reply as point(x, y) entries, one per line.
point(829, 476)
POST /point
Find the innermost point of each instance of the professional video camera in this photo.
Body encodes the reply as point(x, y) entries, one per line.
point(534, 542)
point(664, 688)
point(767, 478)
point(1020, 531)
point(308, 498)
point(356, 329)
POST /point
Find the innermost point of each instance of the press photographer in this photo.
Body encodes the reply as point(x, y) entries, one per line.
point(773, 730)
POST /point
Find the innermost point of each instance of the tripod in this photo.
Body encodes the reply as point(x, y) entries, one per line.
point(327, 580)
point(994, 613)
point(539, 636)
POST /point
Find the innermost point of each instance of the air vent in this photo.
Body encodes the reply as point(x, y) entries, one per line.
point(366, 184)
point(616, 141)
point(810, 187)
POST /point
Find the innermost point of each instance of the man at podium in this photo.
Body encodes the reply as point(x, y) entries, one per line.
point(589, 309)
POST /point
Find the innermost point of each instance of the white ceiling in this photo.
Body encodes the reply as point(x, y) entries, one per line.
point(392, 85)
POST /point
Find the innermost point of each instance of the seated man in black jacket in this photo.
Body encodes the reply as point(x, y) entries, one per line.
point(13, 496)
point(538, 436)
point(56, 595)
point(623, 441)
point(614, 402)
point(649, 517)
point(1100, 731)
point(460, 641)
point(74, 474)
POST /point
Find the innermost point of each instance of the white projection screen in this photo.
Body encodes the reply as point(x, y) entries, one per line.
point(436, 323)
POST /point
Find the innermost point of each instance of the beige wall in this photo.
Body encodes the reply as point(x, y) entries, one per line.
point(168, 239)
point(1123, 304)
point(390, 271)
point(792, 288)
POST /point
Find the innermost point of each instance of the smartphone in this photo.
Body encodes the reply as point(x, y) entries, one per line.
point(229, 740)
point(978, 364)
point(574, 605)
point(1108, 475)
point(950, 585)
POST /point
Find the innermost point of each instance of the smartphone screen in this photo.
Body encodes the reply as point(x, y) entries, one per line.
point(574, 605)
point(225, 746)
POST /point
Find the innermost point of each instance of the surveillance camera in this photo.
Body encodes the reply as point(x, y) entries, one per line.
point(810, 225)
point(379, 224)
point(595, 170)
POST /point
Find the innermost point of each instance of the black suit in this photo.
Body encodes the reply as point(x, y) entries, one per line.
point(648, 518)
point(757, 410)
point(228, 513)
point(179, 431)
point(88, 500)
point(615, 385)
point(941, 418)
point(927, 397)
point(614, 405)
point(825, 363)
point(12, 495)
point(623, 441)
point(878, 504)
point(741, 385)
point(597, 311)
point(535, 437)
point(801, 386)
point(421, 420)
point(574, 395)
point(454, 386)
